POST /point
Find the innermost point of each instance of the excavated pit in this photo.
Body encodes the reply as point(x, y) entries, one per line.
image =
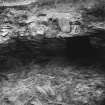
point(52, 61)
point(68, 64)
point(23, 52)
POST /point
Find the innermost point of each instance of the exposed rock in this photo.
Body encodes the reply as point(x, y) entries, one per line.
point(31, 25)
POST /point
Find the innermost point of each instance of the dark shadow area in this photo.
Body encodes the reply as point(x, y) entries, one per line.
point(83, 53)
point(80, 47)
point(23, 52)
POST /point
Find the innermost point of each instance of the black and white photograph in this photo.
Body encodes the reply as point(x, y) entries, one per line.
point(52, 52)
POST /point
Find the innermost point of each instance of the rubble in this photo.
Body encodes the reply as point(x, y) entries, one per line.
point(34, 24)
point(72, 88)
point(44, 23)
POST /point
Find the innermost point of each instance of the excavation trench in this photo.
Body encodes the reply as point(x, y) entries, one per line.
point(23, 52)
point(56, 71)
